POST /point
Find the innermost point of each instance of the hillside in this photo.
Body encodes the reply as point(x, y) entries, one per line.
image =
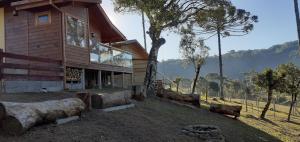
point(237, 62)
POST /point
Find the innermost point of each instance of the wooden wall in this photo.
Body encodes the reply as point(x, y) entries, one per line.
point(23, 36)
point(2, 29)
point(139, 71)
point(45, 40)
point(16, 32)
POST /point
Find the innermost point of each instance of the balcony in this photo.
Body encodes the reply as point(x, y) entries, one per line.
point(104, 54)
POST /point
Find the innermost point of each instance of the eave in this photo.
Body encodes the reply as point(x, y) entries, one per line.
point(27, 4)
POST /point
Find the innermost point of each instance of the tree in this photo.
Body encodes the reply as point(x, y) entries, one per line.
point(163, 15)
point(297, 20)
point(268, 80)
point(225, 20)
point(214, 86)
point(290, 83)
point(193, 52)
point(177, 82)
point(236, 87)
point(203, 86)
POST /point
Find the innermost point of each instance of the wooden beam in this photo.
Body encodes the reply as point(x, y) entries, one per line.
point(31, 77)
point(31, 67)
point(29, 58)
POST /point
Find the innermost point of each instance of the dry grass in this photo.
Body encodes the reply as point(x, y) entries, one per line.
point(275, 125)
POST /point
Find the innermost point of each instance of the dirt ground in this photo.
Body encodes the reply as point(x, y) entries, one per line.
point(153, 120)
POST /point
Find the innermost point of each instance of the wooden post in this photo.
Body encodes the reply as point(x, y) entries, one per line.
point(1, 71)
point(123, 81)
point(99, 79)
point(83, 79)
point(112, 79)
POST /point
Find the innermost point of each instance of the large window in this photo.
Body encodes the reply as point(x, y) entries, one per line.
point(76, 32)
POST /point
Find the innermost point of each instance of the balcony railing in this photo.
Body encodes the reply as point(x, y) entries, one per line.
point(104, 54)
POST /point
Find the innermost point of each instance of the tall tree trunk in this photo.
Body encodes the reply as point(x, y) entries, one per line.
point(246, 101)
point(297, 20)
point(220, 66)
point(195, 80)
point(263, 113)
point(144, 31)
point(206, 93)
point(151, 70)
point(291, 107)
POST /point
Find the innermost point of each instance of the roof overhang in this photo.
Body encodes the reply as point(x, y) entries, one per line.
point(109, 32)
point(27, 4)
point(135, 45)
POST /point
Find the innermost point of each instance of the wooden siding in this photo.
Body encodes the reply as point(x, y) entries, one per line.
point(2, 29)
point(45, 40)
point(16, 32)
point(75, 54)
point(23, 37)
point(139, 71)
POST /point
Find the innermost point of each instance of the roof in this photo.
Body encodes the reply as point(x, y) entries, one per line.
point(136, 47)
point(109, 31)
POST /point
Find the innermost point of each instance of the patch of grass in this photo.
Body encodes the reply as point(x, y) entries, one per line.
point(275, 123)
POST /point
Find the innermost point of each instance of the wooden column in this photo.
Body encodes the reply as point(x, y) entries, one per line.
point(83, 79)
point(1, 72)
point(123, 81)
point(99, 79)
point(112, 79)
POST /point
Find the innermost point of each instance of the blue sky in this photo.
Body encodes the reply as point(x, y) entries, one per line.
point(276, 25)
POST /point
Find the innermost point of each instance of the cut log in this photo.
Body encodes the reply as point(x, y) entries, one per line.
point(226, 109)
point(20, 117)
point(193, 99)
point(86, 98)
point(100, 101)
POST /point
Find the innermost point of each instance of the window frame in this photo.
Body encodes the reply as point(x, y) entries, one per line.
point(85, 31)
point(45, 13)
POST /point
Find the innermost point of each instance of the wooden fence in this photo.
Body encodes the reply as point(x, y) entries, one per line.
point(48, 69)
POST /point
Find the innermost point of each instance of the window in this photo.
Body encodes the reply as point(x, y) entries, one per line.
point(76, 32)
point(43, 18)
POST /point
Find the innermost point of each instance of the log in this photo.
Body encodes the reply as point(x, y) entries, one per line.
point(226, 109)
point(100, 101)
point(86, 98)
point(180, 98)
point(19, 117)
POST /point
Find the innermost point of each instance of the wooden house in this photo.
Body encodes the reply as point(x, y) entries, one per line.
point(62, 44)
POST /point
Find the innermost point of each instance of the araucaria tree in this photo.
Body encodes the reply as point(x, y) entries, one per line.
point(290, 83)
point(223, 21)
point(296, 8)
point(194, 52)
point(177, 82)
point(163, 15)
point(268, 80)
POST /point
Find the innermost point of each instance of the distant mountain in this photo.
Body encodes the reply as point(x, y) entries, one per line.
point(237, 62)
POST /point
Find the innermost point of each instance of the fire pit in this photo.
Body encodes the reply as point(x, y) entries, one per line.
point(208, 133)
